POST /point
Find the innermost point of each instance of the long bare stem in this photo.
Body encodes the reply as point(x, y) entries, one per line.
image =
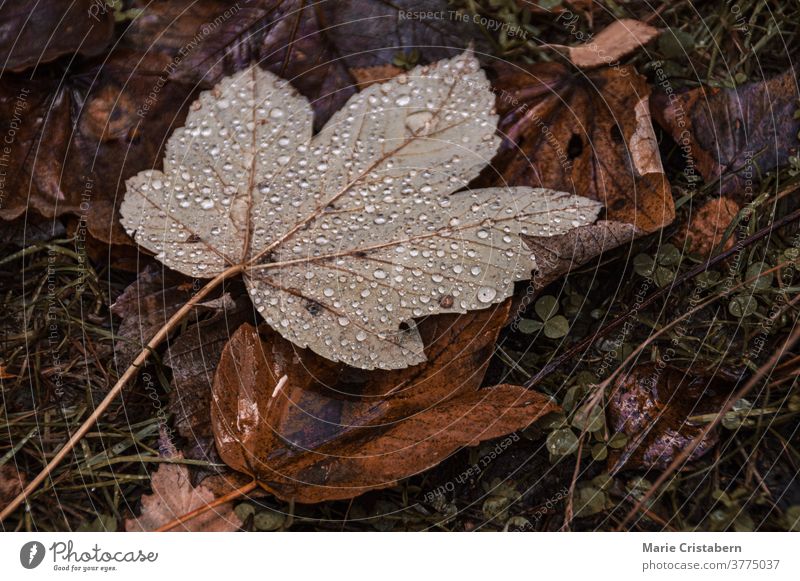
point(129, 374)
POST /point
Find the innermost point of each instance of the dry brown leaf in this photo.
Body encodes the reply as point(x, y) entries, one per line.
point(705, 227)
point(312, 430)
point(589, 133)
point(616, 41)
point(583, 132)
point(735, 134)
point(561, 254)
point(174, 496)
point(652, 407)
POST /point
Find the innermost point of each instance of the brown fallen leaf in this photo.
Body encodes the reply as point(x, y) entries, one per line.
point(652, 407)
point(79, 133)
point(312, 430)
point(734, 134)
point(33, 32)
point(705, 227)
point(174, 496)
point(616, 41)
point(11, 483)
point(588, 133)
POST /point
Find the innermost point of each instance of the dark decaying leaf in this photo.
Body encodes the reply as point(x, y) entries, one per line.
point(80, 133)
point(174, 496)
point(737, 134)
point(33, 32)
point(79, 137)
point(653, 407)
point(313, 430)
point(588, 133)
point(23, 233)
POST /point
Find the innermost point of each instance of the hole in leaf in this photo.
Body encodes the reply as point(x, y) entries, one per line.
point(575, 146)
point(616, 134)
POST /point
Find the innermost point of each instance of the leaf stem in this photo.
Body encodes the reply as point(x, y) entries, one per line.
point(129, 374)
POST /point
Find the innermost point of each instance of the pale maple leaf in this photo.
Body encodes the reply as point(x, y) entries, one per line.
point(347, 236)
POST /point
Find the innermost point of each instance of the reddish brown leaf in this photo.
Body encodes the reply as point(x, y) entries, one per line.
point(737, 134)
point(652, 406)
point(370, 75)
point(313, 430)
point(587, 133)
point(33, 32)
point(705, 227)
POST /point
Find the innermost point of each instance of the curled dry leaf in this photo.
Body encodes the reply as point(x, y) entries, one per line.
point(79, 133)
point(653, 407)
point(588, 133)
point(347, 236)
point(174, 496)
point(312, 430)
point(616, 41)
point(735, 134)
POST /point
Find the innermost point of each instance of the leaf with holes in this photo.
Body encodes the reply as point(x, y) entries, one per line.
point(347, 236)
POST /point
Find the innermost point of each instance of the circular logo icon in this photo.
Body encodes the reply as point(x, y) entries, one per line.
point(31, 554)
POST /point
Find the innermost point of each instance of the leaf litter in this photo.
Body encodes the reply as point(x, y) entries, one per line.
point(582, 241)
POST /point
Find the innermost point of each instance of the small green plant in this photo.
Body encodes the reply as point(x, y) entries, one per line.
point(553, 325)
